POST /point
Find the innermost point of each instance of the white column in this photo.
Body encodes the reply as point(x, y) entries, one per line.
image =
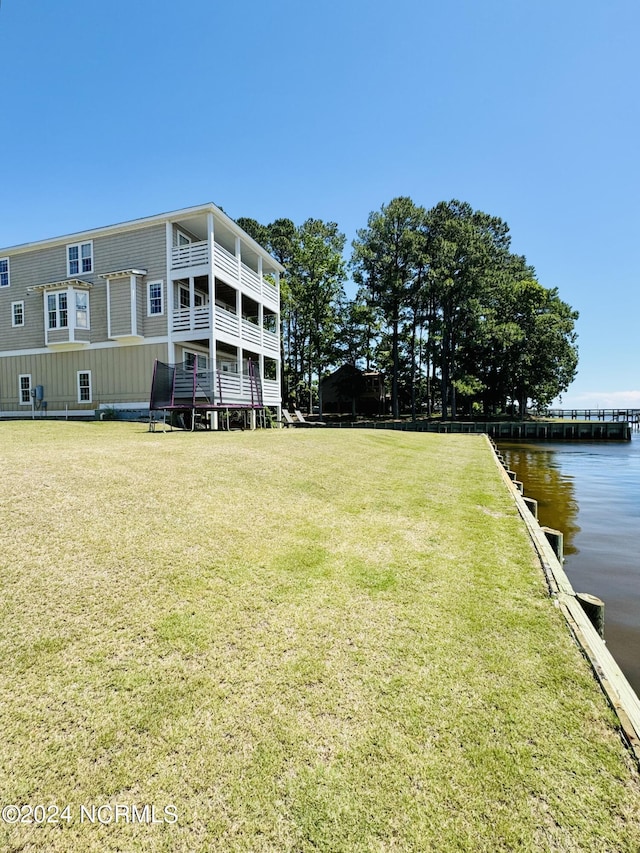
point(239, 257)
point(171, 349)
point(108, 307)
point(45, 306)
point(134, 307)
point(71, 314)
point(212, 308)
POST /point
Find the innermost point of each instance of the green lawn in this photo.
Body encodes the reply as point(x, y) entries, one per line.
point(299, 640)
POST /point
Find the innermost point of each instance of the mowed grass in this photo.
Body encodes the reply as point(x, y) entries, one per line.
point(301, 640)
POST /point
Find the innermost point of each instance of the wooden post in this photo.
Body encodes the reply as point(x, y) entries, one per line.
point(556, 540)
point(594, 608)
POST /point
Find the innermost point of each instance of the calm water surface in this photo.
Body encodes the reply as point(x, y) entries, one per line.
point(591, 492)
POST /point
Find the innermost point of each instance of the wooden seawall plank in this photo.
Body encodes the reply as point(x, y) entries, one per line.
point(621, 695)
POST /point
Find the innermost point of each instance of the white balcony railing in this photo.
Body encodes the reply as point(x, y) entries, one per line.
point(251, 332)
point(250, 279)
point(269, 292)
point(190, 255)
point(270, 341)
point(188, 319)
point(226, 263)
point(228, 386)
point(271, 390)
point(227, 322)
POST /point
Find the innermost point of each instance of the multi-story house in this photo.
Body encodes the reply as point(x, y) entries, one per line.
point(85, 318)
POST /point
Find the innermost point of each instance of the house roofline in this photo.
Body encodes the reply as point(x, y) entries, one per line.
point(134, 224)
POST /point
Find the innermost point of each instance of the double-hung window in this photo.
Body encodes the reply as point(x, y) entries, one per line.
point(80, 258)
point(17, 314)
point(155, 303)
point(84, 386)
point(24, 389)
point(82, 309)
point(57, 310)
point(4, 272)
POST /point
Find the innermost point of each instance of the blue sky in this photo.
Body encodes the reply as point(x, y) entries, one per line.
point(527, 109)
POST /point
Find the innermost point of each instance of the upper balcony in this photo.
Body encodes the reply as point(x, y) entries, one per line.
point(228, 266)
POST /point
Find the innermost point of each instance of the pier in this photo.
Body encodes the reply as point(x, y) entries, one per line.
point(631, 416)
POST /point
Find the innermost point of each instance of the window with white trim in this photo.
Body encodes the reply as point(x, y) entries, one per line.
point(155, 301)
point(84, 386)
point(17, 314)
point(57, 310)
point(4, 272)
point(82, 309)
point(200, 359)
point(24, 389)
point(80, 258)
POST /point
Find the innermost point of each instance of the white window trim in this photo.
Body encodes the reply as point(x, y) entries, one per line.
point(56, 294)
point(71, 309)
point(149, 286)
point(8, 273)
point(13, 314)
point(20, 378)
point(79, 246)
point(86, 328)
point(185, 238)
point(78, 375)
point(197, 356)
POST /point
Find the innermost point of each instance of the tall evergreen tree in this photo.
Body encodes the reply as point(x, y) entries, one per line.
point(387, 257)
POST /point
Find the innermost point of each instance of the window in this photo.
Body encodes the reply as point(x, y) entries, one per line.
point(154, 298)
point(84, 386)
point(185, 297)
point(4, 272)
point(80, 258)
point(82, 309)
point(24, 389)
point(57, 310)
point(199, 359)
point(182, 238)
point(17, 314)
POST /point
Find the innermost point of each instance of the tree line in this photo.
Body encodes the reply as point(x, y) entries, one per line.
point(458, 322)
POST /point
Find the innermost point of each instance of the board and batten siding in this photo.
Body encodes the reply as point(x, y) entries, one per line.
point(119, 374)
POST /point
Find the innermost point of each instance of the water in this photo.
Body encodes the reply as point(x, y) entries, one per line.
point(591, 492)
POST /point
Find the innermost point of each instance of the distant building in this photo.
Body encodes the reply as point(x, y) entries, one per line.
point(351, 391)
point(84, 317)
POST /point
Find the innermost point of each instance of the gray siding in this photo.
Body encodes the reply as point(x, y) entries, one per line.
point(156, 325)
point(120, 306)
point(143, 248)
